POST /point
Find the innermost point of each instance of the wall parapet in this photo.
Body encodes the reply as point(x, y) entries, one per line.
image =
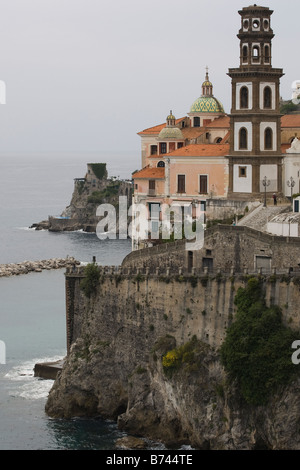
point(130, 271)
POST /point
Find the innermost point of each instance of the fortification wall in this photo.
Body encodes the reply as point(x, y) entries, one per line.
point(147, 306)
point(226, 248)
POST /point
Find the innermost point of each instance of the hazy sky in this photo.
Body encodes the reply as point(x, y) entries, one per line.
point(87, 75)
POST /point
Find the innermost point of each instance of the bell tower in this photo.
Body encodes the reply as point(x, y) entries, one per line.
point(255, 120)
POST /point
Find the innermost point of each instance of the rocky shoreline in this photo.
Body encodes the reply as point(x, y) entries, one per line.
point(25, 267)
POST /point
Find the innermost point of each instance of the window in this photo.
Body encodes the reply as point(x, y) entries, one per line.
point(196, 121)
point(161, 164)
point(153, 149)
point(243, 139)
point(244, 97)
point(255, 53)
point(268, 139)
point(242, 172)
point(163, 147)
point(267, 97)
point(203, 184)
point(190, 261)
point(154, 210)
point(181, 183)
point(151, 184)
point(267, 54)
point(180, 145)
point(245, 53)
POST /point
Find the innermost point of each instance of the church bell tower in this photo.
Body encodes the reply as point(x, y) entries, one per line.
point(255, 120)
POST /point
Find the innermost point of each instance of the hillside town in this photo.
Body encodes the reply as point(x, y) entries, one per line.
point(229, 164)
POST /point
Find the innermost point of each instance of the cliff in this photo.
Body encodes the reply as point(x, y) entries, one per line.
point(89, 192)
point(118, 338)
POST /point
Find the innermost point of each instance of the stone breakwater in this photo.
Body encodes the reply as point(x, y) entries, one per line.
point(25, 267)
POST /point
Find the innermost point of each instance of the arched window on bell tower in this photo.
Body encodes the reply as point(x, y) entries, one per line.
point(244, 97)
point(268, 139)
point(255, 54)
point(267, 54)
point(267, 97)
point(245, 54)
point(243, 139)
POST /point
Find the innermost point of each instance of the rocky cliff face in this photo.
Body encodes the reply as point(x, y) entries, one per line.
point(115, 369)
point(89, 192)
point(192, 407)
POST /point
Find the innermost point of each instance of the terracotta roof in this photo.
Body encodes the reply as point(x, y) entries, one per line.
point(226, 139)
point(192, 132)
point(149, 173)
point(156, 129)
point(201, 150)
point(223, 121)
point(290, 120)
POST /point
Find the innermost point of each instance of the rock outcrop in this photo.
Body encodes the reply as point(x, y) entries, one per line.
point(89, 192)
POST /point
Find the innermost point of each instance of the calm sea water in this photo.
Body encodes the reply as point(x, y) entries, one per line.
point(32, 306)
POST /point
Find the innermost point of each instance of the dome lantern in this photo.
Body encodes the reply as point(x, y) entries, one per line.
point(170, 131)
point(207, 103)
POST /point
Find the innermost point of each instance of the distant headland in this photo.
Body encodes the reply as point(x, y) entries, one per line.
point(90, 191)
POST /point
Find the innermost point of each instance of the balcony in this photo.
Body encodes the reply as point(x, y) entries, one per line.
point(151, 192)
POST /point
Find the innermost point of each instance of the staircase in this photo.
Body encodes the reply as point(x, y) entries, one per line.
point(260, 216)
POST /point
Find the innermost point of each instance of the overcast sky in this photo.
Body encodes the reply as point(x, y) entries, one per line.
point(87, 75)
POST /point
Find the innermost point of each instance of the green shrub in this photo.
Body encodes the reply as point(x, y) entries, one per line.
point(185, 354)
point(96, 197)
point(257, 348)
point(91, 280)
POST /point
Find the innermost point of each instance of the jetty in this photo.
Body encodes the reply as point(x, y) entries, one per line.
point(48, 370)
point(25, 267)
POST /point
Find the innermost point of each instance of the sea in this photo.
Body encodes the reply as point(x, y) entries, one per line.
point(32, 306)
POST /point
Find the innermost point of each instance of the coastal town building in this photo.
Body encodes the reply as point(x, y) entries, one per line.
point(226, 162)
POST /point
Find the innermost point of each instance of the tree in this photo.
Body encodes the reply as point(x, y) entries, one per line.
point(256, 352)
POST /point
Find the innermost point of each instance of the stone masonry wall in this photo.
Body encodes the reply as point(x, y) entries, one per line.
point(226, 248)
point(178, 305)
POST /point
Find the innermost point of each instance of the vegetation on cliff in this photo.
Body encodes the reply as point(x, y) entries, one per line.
point(91, 280)
point(188, 355)
point(256, 352)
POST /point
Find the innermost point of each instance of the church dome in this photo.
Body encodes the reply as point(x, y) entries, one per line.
point(170, 132)
point(207, 104)
point(171, 117)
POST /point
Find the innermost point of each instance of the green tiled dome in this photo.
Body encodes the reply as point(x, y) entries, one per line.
point(207, 104)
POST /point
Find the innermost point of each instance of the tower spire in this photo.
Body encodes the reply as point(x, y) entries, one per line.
point(207, 87)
